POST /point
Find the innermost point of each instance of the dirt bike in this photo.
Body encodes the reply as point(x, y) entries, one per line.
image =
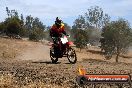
point(62, 48)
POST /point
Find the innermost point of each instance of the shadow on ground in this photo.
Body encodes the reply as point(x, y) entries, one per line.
point(46, 62)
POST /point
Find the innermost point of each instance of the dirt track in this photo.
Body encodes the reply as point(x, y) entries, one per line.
point(35, 52)
point(32, 68)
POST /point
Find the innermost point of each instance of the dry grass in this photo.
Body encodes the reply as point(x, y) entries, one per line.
point(10, 48)
point(95, 53)
point(41, 85)
point(7, 81)
point(7, 48)
point(24, 74)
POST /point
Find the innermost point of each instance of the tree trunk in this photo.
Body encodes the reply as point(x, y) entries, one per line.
point(117, 56)
point(80, 49)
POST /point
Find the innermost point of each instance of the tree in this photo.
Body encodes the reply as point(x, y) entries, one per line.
point(68, 31)
point(116, 37)
point(11, 13)
point(67, 28)
point(35, 27)
point(37, 23)
point(13, 25)
point(29, 22)
point(16, 25)
point(36, 34)
point(2, 27)
point(22, 20)
point(80, 23)
point(81, 39)
point(96, 17)
point(80, 33)
point(95, 20)
point(92, 23)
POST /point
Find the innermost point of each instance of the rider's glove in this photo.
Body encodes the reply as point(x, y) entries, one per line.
point(68, 35)
point(53, 37)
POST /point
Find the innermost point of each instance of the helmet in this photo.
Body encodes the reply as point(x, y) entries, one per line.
point(58, 21)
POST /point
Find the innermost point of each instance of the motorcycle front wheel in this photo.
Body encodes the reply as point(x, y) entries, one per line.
point(71, 55)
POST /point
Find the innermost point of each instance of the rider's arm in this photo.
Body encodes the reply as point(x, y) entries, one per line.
point(64, 32)
point(51, 31)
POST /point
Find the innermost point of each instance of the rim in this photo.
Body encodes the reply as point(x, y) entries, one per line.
point(72, 55)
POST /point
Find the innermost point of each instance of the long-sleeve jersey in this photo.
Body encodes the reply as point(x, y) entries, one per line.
point(57, 32)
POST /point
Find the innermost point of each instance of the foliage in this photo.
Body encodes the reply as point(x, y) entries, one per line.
point(11, 13)
point(2, 27)
point(91, 23)
point(96, 17)
point(36, 34)
point(68, 31)
point(80, 33)
point(13, 25)
point(16, 25)
point(116, 37)
point(95, 20)
point(81, 39)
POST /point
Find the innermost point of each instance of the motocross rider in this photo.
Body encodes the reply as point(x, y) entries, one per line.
point(57, 29)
